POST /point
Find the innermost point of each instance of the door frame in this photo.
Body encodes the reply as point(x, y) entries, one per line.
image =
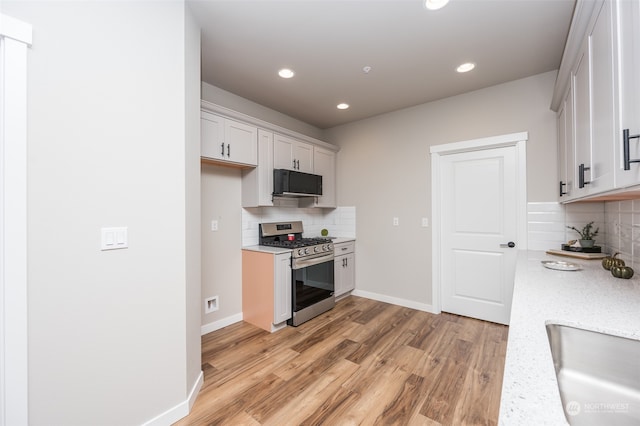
point(517, 140)
point(15, 38)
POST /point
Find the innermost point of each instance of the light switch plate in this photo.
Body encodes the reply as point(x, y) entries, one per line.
point(114, 238)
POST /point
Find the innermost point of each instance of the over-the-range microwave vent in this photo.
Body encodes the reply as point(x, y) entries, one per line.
point(294, 184)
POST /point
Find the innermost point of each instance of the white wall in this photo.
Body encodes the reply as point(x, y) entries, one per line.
point(383, 169)
point(108, 340)
point(221, 250)
point(192, 199)
point(229, 100)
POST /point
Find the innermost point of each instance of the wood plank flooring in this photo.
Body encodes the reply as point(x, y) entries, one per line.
point(364, 362)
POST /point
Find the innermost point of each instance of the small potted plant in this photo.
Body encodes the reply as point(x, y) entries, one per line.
point(586, 235)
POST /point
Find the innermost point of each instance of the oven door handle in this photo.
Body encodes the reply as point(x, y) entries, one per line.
point(306, 261)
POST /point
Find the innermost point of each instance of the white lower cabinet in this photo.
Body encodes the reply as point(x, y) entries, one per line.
point(266, 289)
point(344, 267)
point(282, 288)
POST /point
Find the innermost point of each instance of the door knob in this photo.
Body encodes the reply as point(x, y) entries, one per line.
point(510, 244)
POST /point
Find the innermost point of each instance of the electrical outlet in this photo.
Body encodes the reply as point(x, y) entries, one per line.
point(425, 222)
point(211, 304)
point(214, 225)
point(396, 221)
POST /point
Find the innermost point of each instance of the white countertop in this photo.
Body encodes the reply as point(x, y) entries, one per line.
point(339, 240)
point(590, 298)
point(267, 249)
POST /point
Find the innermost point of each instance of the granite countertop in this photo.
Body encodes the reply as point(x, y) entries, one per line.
point(590, 298)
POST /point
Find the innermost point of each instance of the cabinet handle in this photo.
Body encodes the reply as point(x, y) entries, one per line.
point(222, 146)
point(625, 149)
point(298, 161)
point(229, 150)
point(294, 164)
point(581, 181)
point(344, 262)
point(562, 191)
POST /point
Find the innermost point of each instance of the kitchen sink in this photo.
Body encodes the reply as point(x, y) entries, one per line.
point(598, 376)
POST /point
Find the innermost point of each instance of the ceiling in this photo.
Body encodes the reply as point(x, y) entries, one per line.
point(413, 52)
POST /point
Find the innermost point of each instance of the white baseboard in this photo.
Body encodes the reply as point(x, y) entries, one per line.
point(217, 325)
point(181, 410)
point(395, 301)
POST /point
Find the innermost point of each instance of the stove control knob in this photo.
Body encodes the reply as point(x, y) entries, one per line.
point(300, 252)
point(317, 249)
point(306, 251)
point(329, 247)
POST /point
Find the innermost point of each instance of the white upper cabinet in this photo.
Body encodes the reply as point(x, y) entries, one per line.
point(597, 96)
point(593, 85)
point(324, 164)
point(257, 182)
point(566, 148)
point(227, 140)
point(582, 118)
point(602, 89)
point(292, 154)
point(628, 20)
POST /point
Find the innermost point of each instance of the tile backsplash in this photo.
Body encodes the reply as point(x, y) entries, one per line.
point(618, 223)
point(340, 222)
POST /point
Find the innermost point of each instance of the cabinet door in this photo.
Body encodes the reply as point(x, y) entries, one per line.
point(324, 164)
point(563, 190)
point(292, 154)
point(338, 272)
point(212, 136)
point(344, 272)
point(603, 131)
point(350, 272)
point(282, 288)
point(303, 156)
point(628, 21)
point(241, 142)
point(582, 103)
point(257, 183)
point(283, 152)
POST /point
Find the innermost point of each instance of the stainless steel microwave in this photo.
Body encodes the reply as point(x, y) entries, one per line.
point(296, 184)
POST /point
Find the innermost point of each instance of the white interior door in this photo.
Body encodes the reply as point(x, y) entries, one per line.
point(479, 232)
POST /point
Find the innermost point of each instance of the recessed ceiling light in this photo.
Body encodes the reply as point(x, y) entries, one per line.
point(466, 67)
point(343, 106)
point(435, 4)
point(286, 73)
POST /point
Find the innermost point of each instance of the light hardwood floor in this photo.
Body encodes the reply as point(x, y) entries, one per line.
point(364, 362)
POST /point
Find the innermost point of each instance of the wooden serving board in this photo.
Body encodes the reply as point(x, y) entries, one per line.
point(577, 254)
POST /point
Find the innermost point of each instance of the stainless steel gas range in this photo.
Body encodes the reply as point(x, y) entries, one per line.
point(312, 271)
